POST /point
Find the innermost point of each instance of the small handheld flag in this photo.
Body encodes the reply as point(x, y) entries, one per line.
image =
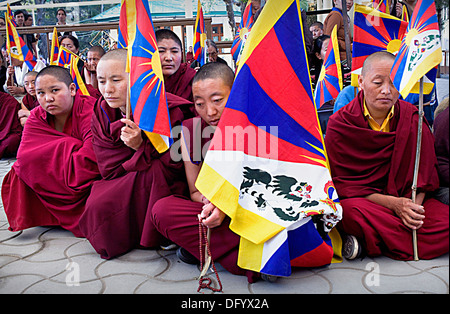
point(420, 50)
point(200, 37)
point(65, 58)
point(242, 33)
point(54, 53)
point(329, 83)
point(147, 91)
point(17, 47)
point(76, 76)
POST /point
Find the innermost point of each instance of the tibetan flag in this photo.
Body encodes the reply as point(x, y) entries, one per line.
point(329, 83)
point(242, 33)
point(382, 5)
point(76, 76)
point(405, 15)
point(17, 47)
point(65, 58)
point(54, 48)
point(200, 37)
point(147, 91)
point(10, 15)
point(420, 50)
point(374, 31)
point(126, 23)
point(266, 167)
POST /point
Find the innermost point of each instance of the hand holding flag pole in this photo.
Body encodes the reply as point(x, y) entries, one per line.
point(416, 165)
point(419, 52)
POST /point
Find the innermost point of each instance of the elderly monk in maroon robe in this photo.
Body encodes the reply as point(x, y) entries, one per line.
point(177, 76)
point(56, 166)
point(371, 144)
point(134, 174)
point(10, 128)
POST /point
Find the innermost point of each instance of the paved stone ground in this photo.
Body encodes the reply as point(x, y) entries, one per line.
point(51, 260)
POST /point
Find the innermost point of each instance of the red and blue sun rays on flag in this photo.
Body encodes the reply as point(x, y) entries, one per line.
point(65, 57)
point(420, 49)
point(329, 83)
point(242, 32)
point(200, 37)
point(147, 91)
point(299, 137)
point(374, 31)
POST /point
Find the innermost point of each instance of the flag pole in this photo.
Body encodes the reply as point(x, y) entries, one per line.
point(416, 165)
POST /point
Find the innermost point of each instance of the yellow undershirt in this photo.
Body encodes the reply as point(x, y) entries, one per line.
point(374, 124)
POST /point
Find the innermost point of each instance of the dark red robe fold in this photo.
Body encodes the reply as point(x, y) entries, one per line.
point(364, 161)
point(30, 102)
point(10, 128)
point(51, 179)
point(117, 216)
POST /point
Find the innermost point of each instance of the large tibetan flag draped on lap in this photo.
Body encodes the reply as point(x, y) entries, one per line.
point(147, 91)
point(266, 167)
point(54, 49)
point(16, 45)
point(200, 37)
point(420, 51)
point(329, 83)
point(242, 33)
point(374, 31)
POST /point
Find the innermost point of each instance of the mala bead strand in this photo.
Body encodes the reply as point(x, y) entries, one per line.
point(206, 282)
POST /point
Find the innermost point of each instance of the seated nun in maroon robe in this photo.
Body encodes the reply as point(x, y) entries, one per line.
point(371, 144)
point(134, 174)
point(29, 101)
point(177, 76)
point(49, 183)
point(10, 128)
point(177, 216)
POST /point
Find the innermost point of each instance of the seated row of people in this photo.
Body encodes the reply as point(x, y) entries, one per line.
point(84, 166)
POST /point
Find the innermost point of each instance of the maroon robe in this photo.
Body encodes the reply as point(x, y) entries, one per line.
point(51, 179)
point(180, 83)
point(94, 92)
point(364, 161)
point(30, 102)
point(118, 211)
point(10, 128)
point(176, 216)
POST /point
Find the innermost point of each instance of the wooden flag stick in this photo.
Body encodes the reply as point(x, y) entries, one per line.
point(128, 107)
point(416, 165)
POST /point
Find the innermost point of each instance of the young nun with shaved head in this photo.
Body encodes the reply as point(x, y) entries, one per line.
point(134, 175)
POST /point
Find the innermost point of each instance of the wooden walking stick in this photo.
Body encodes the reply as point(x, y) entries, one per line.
point(416, 165)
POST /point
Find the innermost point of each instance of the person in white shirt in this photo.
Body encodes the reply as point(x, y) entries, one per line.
point(18, 69)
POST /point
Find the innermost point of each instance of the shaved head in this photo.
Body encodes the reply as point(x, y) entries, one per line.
point(116, 54)
point(60, 73)
point(376, 57)
point(215, 70)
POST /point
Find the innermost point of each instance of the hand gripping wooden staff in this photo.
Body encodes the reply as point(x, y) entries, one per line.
point(416, 165)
